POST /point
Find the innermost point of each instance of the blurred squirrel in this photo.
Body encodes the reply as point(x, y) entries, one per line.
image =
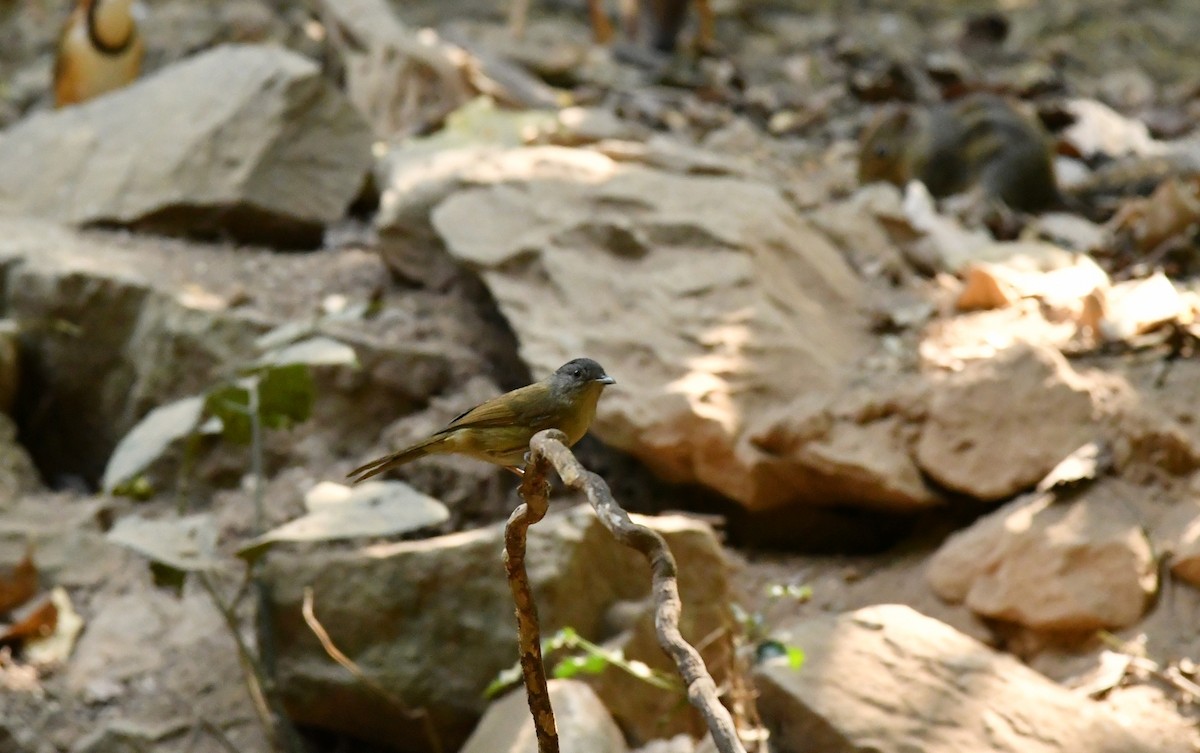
point(654, 22)
point(99, 50)
point(979, 141)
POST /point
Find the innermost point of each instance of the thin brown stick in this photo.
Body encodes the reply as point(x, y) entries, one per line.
point(535, 490)
point(548, 446)
point(310, 617)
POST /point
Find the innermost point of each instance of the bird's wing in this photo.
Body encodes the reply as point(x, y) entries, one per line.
point(500, 411)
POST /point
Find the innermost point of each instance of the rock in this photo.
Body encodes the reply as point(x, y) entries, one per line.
point(68, 541)
point(677, 744)
point(17, 473)
point(146, 651)
point(709, 298)
point(248, 142)
point(420, 176)
point(12, 740)
point(1079, 565)
point(887, 679)
point(856, 445)
point(10, 365)
point(584, 725)
point(1001, 424)
point(401, 80)
point(1185, 562)
point(853, 226)
point(397, 610)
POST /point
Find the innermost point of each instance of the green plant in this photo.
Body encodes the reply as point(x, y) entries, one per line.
point(756, 631)
point(275, 391)
point(587, 659)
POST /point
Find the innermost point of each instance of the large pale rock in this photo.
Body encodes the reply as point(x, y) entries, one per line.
point(710, 300)
point(244, 141)
point(583, 724)
point(1078, 565)
point(856, 445)
point(1001, 424)
point(886, 679)
point(433, 622)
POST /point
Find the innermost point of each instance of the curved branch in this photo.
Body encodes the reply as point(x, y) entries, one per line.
point(548, 447)
point(535, 490)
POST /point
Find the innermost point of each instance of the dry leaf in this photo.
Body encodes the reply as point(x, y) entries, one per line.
point(19, 584)
point(376, 508)
point(38, 622)
point(1171, 210)
point(1139, 306)
point(985, 289)
point(55, 648)
point(1085, 464)
point(1099, 129)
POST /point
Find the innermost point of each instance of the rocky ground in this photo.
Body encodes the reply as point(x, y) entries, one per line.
point(952, 456)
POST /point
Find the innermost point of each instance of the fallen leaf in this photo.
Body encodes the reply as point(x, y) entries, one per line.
point(1139, 306)
point(37, 622)
point(1084, 464)
point(1099, 129)
point(19, 584)
point(185, 544)
point(1171, 210)
point(55, 648)
point(376, 508)
point(315, 351)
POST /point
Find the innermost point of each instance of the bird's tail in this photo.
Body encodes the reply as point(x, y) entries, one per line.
point(400, 457)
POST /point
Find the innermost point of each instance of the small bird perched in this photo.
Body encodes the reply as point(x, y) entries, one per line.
point(99, 50)
point(499, 430)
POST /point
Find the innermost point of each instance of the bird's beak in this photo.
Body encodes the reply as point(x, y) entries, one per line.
point(606, 379)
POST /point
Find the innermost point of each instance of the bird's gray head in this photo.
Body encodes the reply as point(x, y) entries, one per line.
point(582, 371)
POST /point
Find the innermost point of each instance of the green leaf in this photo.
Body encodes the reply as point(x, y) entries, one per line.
point(168, 578)
point(504, 680)
point(137, 488)
point(771, 649)
point(800, 593)
point(586, 664)
point(149, 439)
point(795, 657)
point(285, 395)
point(230, 404)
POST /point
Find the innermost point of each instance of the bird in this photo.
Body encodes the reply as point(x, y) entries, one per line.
point(498, 431)
point(99, 50)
